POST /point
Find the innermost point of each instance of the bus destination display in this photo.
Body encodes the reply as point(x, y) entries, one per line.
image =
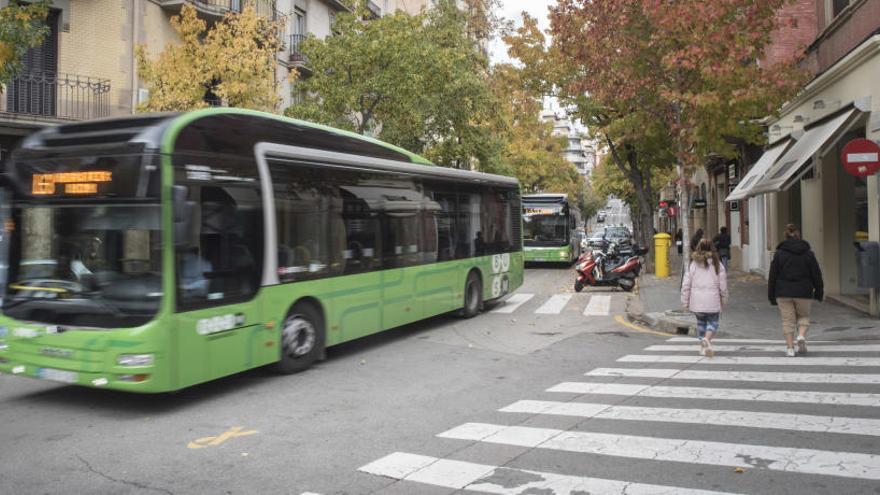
point(74, 183)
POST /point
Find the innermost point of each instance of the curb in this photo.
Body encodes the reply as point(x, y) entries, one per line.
point(661, 322)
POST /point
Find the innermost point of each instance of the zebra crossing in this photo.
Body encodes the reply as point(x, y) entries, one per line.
point(592, 304)
point(824, 423)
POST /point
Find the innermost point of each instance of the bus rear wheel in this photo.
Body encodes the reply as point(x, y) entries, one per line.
point(473, 296)
point(302, 339)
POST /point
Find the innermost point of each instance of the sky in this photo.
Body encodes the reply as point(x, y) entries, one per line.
point(511, 9)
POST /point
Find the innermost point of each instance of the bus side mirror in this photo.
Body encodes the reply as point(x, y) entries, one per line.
point(182, 217)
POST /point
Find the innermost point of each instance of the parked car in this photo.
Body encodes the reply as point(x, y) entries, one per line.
point(600, 216)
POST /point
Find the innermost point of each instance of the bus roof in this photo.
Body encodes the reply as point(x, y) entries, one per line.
point(232, 131)
point(547, 197)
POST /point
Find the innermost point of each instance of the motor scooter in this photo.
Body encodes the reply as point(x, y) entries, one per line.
point(604, 268)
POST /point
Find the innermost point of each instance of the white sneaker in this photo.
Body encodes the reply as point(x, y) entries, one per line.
point(709, 351)
point(801, 345)
point(790, 352)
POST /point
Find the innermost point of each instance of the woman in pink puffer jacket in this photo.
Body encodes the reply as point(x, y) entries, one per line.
point(704, 292)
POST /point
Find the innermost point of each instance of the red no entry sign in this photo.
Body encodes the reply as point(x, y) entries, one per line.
point(861, 157)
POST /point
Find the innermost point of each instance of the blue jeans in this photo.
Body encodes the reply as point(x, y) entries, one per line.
point(707, 322)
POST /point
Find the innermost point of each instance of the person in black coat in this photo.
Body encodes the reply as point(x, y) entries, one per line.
point(722, 245)
point(795, 279)
point(695, 240)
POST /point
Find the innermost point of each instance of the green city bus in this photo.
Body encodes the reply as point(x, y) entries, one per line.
point(159, 251)
point(551, 228)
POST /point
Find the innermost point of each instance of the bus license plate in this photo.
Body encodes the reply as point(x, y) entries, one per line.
point(57, 375)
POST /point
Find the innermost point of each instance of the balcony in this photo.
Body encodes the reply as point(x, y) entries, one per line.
point(214, 10)
point(373, 10)
point(295, 56)
point(54, 97)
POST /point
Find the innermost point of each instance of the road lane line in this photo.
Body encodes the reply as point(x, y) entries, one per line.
point(763, 361)
point(554, 305)
point(739, 376)
point(746, 341)
point(764, 348)
point(513, 303)
point(668, 392)
point(499, 480)
point(713, 417)
point(598, 306)
point(788, 459)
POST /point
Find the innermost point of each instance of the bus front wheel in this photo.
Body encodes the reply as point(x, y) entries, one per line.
point(302, 339)
point(473, 296)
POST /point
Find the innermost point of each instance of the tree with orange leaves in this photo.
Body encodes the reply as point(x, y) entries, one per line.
point(686, 67)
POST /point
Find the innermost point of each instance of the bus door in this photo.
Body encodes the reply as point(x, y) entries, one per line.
point(219, 266)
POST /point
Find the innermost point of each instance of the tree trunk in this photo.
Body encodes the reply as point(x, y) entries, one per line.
point(684, 194)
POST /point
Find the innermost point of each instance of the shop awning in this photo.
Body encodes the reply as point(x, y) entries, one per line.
point(796, 161)
point(744, 188)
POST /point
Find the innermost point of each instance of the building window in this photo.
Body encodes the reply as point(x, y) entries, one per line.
point(837, 7)
point(299, 21)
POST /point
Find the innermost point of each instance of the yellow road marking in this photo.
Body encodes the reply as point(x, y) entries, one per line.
point(233, 432)
point(620, 319)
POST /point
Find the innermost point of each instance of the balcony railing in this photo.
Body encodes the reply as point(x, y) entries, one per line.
point(56, 96)
point(219, 8)
point(294, 49)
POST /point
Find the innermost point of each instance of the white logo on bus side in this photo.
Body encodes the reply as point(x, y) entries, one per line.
point(207, 326)
point(500, 262)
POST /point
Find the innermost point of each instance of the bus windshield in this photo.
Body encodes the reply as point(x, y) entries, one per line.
point(96, 265)
point(84, 240)
point(545, 230)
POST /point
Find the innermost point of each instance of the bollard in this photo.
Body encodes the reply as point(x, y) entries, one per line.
point(662, 242)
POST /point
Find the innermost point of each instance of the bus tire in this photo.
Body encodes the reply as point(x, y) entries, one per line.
point(473, 296)
point(302, 338)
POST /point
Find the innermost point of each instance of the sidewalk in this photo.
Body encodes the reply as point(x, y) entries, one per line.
point(657, 304)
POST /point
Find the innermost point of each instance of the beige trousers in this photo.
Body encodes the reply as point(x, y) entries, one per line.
point(795, 313)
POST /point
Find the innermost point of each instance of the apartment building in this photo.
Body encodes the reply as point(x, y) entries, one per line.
point(86, 68)
point(578, 151)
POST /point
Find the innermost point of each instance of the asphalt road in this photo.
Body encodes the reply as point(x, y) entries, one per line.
point(425, 402)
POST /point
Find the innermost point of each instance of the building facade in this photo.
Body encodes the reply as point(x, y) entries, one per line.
point(86, 67)
point(578, 150)
point(799, 177)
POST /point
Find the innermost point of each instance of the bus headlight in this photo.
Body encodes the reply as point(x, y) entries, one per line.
point(135, 360)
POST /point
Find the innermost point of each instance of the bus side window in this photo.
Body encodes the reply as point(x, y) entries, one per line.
point(226, 263)
point(308, 213)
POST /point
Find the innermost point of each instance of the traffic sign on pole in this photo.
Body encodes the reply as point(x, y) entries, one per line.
point(861, 157)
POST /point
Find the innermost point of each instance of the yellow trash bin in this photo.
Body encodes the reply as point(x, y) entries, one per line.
point(662, 242)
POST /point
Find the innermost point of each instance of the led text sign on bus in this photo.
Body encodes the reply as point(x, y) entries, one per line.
point(74, 182)
point(541, 211)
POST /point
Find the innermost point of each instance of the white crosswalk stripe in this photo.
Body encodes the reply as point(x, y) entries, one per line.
point(727, 405)
point(598, 306)
point(745, 419)
point(812, 461)
point(739, 376)
point(513, 303)
point(484, 478)
point(746, 360)
point(554, 305)
point(743, 341)
point(765, 348)
point(759, 395)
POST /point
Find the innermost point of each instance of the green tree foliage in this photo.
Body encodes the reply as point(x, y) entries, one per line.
point(419, 82)
point(234, 60)
point(21, 27)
